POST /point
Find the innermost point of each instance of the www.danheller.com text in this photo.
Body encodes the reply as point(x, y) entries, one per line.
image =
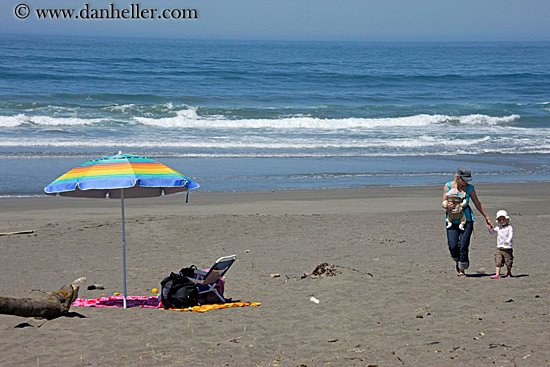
point(132, 11)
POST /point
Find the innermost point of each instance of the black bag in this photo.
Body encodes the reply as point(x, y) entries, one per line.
point(179, 292)
point(188, 272)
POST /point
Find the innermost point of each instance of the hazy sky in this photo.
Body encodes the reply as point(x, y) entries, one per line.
point(350, 20)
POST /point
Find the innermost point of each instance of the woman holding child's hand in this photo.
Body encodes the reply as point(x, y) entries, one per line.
point(458, 239)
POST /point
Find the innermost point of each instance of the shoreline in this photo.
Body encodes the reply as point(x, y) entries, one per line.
point(395, 300)
point(268, 174)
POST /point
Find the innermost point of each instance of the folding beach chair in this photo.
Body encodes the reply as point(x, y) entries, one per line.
point(207, 281)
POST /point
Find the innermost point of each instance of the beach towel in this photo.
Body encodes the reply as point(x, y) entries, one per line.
point(216, 306)
point(117, 301)
point(152, 302)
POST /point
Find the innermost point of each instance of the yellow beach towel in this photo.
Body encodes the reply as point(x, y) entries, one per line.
point(216, 306)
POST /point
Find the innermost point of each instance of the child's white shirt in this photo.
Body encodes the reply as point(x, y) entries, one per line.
point(504, 234)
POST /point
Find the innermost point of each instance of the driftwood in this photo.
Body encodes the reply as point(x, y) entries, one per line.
point(54, 305)
point(18, 232)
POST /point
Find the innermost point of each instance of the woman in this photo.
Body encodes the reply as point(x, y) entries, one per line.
point(457, 239)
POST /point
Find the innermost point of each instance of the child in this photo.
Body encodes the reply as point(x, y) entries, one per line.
point(504, 253)
point(457, 212)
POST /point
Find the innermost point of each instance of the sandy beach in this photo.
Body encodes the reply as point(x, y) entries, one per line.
point(397, 300)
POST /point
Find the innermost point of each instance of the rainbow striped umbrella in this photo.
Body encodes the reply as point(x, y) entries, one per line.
point(120, 176)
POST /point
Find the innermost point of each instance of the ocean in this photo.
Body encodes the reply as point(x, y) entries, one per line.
point(255, 115)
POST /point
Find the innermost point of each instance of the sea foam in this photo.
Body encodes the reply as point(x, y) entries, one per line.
point(190, 119)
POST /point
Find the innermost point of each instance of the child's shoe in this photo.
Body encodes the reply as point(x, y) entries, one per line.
point(449, 224)
point(496, 276)
point(509, 275)
point(461, 226)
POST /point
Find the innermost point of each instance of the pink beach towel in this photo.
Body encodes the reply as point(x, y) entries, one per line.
point(117, 301)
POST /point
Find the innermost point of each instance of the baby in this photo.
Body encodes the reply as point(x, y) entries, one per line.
point(457, 212)
point(504, 253)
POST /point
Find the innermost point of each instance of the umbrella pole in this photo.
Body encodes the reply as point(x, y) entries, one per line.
point(123, 245)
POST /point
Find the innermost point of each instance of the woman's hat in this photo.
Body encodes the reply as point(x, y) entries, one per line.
point(465, 173)
point(502, 213)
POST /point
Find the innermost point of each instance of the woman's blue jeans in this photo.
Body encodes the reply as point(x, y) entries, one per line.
point(459, 243)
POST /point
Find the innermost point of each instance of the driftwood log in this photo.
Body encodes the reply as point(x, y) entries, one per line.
point(54, 305)
point(18, 232)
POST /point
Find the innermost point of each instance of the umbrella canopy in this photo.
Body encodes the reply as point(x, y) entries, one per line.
point(139, 177)
point(120, 176)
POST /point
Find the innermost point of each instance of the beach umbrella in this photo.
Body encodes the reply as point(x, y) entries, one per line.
point(121, 176)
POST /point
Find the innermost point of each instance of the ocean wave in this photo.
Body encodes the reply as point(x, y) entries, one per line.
point(293, 145)
point(22, 119)
point(486, 120)
point(172, 115)
point(316, 155)
point(189, 119)
point(253, 145)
